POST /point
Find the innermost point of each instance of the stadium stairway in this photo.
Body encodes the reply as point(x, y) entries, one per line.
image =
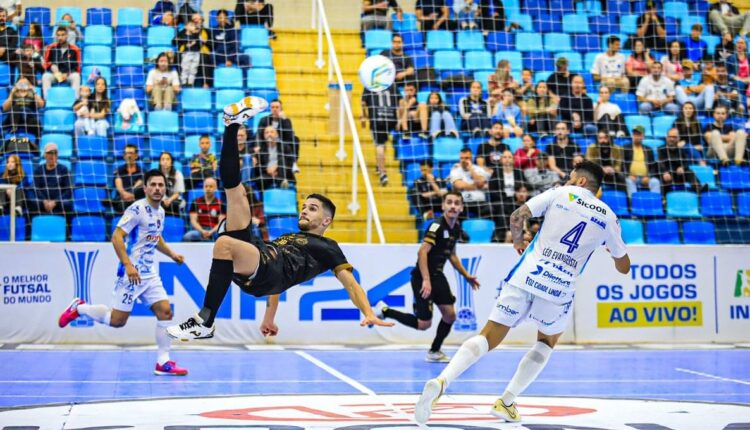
point(304, 91)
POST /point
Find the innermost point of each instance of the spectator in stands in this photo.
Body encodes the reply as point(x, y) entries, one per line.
point(639, 62)
point(428, 191)
point(467, 14)
point(412, 115)
point(656, 93)
point(75, 35)
point(128, 177)
point(689, 130)
point(726, 94)
point(723, 140)
point(695, 47)
point(608, 115)
point(194, 45)
point(738, 67)
point(166, 19)
point(404, 64)
point(375, 14)
point(8, 40)
point(525, 88)
point(673, 164)
point(475, 111)
point(541, 178)
point(562, 150)
point(609, 67)
point(203, 164)
point(692, 89)
point(441, 119)
point(724, 18)
point(432, 15)
point(274, 162)
point(226, 42)
point(725, 48)
point(282, 124)
point(62, 63)
point(471, 181)
point(502, 77)
point(489, 154)
point(559, 83)
point(493, 17)
point(187, 8)
point(609, 156)
point(502, 185)
point(14, 12)
point(578, 109)
point(21, 108)
point(162, 83)
point(34, 38)
point(29, 63)
point(640, 165)
point(255, 12)
point(527, 156)
point(245, 149)
point(509, 114)
point(13, 174)
point(93, 110)
point(651, 28)
point(172, 202)
point(381, 110)
point(672, 62)
point(541, 110)
point(52, 185)
point(206, 213)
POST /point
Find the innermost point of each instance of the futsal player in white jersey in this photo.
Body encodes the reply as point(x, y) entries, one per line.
point(142, 224)
point(541, 286)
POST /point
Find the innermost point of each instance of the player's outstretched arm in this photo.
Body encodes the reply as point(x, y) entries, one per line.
point(359, 298)
point(268, 327)
point(456, 262)
point(517, 221)
point(166, 250)
point(118, 242)
point(622, 264)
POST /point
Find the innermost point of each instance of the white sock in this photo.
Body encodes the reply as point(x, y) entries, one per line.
point(99, 313)
point(465, 357)
point(528, 369)
point(163, 341)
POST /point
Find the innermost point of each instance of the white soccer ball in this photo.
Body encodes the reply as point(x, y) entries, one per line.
point(377, 73)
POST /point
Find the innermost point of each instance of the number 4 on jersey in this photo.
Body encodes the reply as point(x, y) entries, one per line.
point(572, 237)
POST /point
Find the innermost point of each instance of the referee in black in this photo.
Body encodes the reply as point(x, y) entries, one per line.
point(428, 281)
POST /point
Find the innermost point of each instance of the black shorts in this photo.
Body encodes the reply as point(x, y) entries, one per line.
point(245, 235)
point(441, 294)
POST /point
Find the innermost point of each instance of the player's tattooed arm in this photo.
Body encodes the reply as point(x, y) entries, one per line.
point(517, 221)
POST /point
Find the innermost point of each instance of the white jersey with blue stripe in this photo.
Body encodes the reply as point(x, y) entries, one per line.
point(575, 224)
point(144, 226)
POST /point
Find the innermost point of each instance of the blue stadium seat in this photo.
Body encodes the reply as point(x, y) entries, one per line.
point(40, 15)
point(663, 232)
point(584, 43)
point(479, 230)
point(64, 143)
point(278, 226)
point(92, 147)
point(412, 40)
point(88, 228)
point(421, 58)
point(60, 98)
point(563, 6)
point(260, 57)
point(743, 204)
point(279, 202)
point(163, 122)
point(121, 140)
point(438, 40)
point(228, 77)
point(75, 13)
point(266, 95)
point(628, 103)
point(526, 42)
point(698, 233)
point(99, 16)
point(89, 200)
point(414, 150)
point(483, 77)
point(654, 144)
point(682, 204)
point(192, 146)
point(58, 120)
point(129, 55)
point(539, 61)
point(535, 6)
point(255, 37)
point(675, 9)
point(716, 204)
point(557, 42)
point(5, 78)
point(196, 99)
point(130, 16)
point(699, 7)
point(617, 201)
point(514, 58)
point(646, 203)
point(704, 174)
point(501, 41)
point(575, 23)
point(160, 36)
point(130, 76)
point(447, 62)
point(525, 21)
point(411, 173)
point(575, 62)
point(447, 149)
point(631, 121)
point(98, 35)
point(261, 79)
point(618, 7)
point(91, 172)
point(174, 229)
point(198, 123)
point(167, 143)
point(514, 143)
point(97, 55)
point(478, 60)
point(407, 23)
point(601, 24)
point(378, 39)
point(225, 97)
point(5, 228)
point(662, 124)
point(735, 178)
point(48, 228)
point(711, 40)
point(628, 24)
point(138, 94)
point(470, 41)
point(548, 23)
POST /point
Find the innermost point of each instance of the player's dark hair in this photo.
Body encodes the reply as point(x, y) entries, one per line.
point(465, 149)
point(152, 173)
point(453, 193)
point(427, 162)
point(592, 171)
point(327, 203)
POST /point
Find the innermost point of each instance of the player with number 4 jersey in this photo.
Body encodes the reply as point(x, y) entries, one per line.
point(541, 286)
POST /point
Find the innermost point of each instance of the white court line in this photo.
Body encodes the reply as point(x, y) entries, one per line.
point(708, 375)
point(328, 381)
point(358, 386)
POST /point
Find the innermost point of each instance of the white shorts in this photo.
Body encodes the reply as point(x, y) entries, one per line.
point(149, 291)
point(515, 305)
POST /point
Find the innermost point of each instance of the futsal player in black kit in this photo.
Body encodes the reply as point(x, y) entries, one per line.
point(266, 268)
point(428, 281)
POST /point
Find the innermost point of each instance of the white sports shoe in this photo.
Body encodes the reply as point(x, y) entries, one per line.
point(437, 357)
point(432, 391)
point(191, 329)
point(241, 111)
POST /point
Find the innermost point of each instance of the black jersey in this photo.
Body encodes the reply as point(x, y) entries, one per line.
point(443, 239)
point(292, 259)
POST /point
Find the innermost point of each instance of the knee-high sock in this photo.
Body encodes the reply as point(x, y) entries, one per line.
point(163, 342)
point(229, 164)
point(99, 313)
point(443, 330)
point(528, 369)
point(219, 281)
point(469, 353)
point(408, 320)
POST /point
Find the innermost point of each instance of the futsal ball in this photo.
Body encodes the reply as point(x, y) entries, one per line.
point(377, 73)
